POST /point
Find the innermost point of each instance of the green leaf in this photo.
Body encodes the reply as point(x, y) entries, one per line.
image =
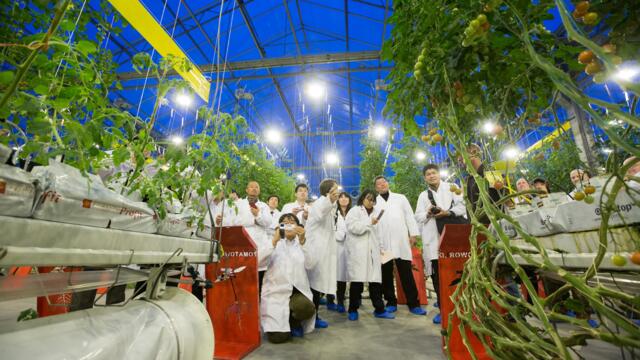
point(86, 47)
point(120, 155)
point(41, 89)
point(6, 77)
point(67, 25)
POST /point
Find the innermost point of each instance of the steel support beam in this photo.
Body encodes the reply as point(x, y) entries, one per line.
point(263, 54)
point(315, 167)
point(346, 27)
point(329, 133)
point(268, 63)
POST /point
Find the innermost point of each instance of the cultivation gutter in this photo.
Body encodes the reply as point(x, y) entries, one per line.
point(47, 243)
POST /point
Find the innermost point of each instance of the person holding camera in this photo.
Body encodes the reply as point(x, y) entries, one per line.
point(255, 216)
point(286, 306)
point(363, 256)
point(321, 245)
point(299, 208)
point(436, 207)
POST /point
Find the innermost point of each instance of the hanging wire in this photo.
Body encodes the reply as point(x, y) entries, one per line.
point(146, 78)
point(71, 35)
point(226, 56)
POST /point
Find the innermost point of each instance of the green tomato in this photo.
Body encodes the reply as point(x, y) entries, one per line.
point(618, 260)
point(589, 199)
point(469, 108)
point(421, 57)
point(482, 18)
point(417, 74)
point(474, 24)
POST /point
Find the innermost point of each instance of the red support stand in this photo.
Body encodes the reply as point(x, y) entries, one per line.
point(233, 304)
point(417, 264)
point(56, 304)
point(454, 252)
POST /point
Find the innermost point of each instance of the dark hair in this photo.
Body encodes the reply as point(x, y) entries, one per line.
point(326, 185)
point(289, 216)
point(301, 185)
point(543, 181)
point(364, 194)
point(233, 192)
point(429, 167)
point(378, 178)
point(338, 210)
point(273, 196)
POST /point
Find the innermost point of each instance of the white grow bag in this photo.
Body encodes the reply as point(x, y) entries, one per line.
point(17, 191)
point(69, 197)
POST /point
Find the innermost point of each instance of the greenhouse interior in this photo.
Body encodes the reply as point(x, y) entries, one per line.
point(308, 179)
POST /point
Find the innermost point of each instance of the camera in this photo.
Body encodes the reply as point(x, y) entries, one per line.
point(281, 230)
point(435, 210)
point(286, 227)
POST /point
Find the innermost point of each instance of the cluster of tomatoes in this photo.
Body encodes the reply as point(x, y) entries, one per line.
point(418, 68)
point(586, 194)
point(619, 260)
point(476, 30)
point(582, 14)
point(432, 137)
point(455, 189)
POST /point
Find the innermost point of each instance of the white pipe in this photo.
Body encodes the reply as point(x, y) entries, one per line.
point(174, 327)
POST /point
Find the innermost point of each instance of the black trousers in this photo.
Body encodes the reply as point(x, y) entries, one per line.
point(316, 298)
point(436, 279)
point(405, 273)
point(375, 293)
point(260, 278)
point(341, 290)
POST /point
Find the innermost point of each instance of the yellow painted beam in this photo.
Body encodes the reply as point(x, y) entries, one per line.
point(566, 126)
point(141, 19)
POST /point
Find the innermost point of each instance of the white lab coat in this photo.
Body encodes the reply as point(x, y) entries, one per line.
point(445, 200)
point(286, 271)
point(321, 246)
point(362, 247)
point(288, 209)
point(341, 254)
point(256, 227)
point(396, 225)
point(275, 216)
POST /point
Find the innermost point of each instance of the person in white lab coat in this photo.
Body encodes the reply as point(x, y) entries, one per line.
point(344, 204)
point(632, 176)
point(580, 178)
point(255, 217)
point(299, 208)
point(397, 231)
point(436, 202)
point(273, 202)
point(286, 304)
point(363, 256)
point(321, 247)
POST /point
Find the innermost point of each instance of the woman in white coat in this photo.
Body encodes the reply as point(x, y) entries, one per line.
point(363, 256)
point(286, 306)
point(344, 204)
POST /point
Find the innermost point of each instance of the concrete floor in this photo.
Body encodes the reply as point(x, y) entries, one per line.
point(406, 337)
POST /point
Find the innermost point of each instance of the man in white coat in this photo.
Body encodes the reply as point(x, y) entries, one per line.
point(437, 202)
point(273, 202)
point(299, 208)
point(397, 231)
point(321, 244)
point(255, 217)
point(286, 306)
